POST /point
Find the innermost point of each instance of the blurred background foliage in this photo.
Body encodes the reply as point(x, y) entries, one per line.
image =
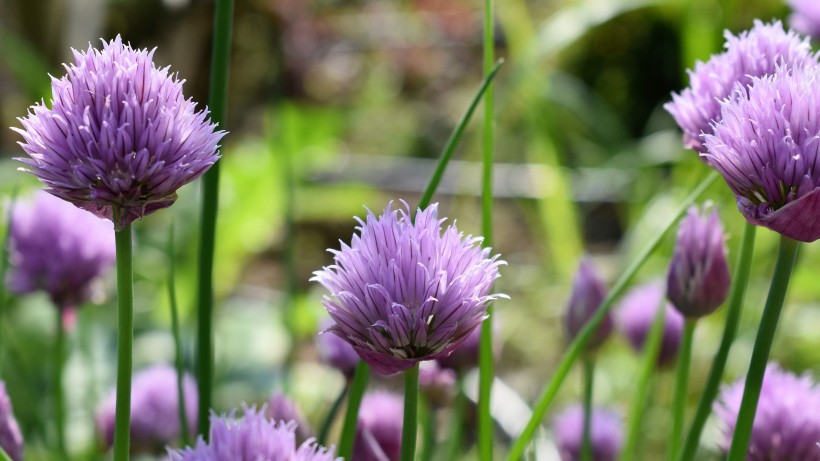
point(339, 105)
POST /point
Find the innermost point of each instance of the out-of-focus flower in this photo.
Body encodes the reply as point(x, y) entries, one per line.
point(588, 292)
point(787, 423)
point(465, 356)
point(698, 280)
point(606, 435)
point(437, 384)
point(378, 434)
point(403, 291)
point(755, 52)
point(765, 146)
point(252, 438)
point(636, 313)
point(11, 439)
point(59, 249)
point(336, 352)
point(281, 408)
point(119, 138)
point(154, 409)
point(806, 17)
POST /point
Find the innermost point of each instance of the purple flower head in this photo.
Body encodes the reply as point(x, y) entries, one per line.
point(119, 138)
point(698, 280)
point(437, 384)
point(787, 423)
point(11, 439)
point(378, 433)
point(336, 352)
point(281, 408)
point(635, 315)
point(806, 17)
point(405, 291)
point(766, 148)
point(588, 293)
point(154, 409)
point(606, 435)
point(753, 53)
point(252, 438)
point(59, 249)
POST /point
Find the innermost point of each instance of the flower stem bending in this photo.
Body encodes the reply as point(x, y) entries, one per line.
point(681, 385)
point(354, 400)
point(125, 339)
point(411, 410)
point(331, 415)
point(589, 376)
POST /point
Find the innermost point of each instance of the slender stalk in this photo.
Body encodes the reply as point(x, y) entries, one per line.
point(649, 363)
point(331, 416)
point(429, 428)
point(579, 343)
point(217, 98)
point(354, 400)
point(3, 455)
point(411, 410)
point(681, 386)
point(589, 376)
point(456, 420)
point(763, 343)
point(172, 301)
point(4, 250)
point(125, 339)
point(741, 281)
point(59, 397)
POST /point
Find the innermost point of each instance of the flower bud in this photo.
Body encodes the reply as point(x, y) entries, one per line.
point(588, 292)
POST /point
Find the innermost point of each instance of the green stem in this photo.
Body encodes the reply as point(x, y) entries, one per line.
point(649, 363)
point(4, 456)
point(428, 439)
point(59, 397)
point(741, 281)
point(763, 344)
point(4, 250)
point(331, 416)
point(354, 400)
point(589, 376)
point(411, 409)
point(125, 339)
point(456, 420)
point(217, 98)
point(185, 432)
point(578, 344)
point(681, 386)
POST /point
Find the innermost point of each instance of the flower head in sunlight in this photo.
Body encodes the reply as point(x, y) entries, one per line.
point(588, 293)
point(404, 291)
point(767, 147)
point(11, 439)
point(606, 434)
point(119, 138)
point(805, 17)
point(378, 433)
point(636, 313)
point(753, 53)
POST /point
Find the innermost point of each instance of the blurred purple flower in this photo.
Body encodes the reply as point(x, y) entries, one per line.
point(281, 408)
point(698, 280)
point(766, 148)
point(59, 249)
point(336, 352)
point(378, 433)
point(11, 439)
point(753, 53)
point(154, 409)
point(252, 438)
point(403, 291)
point(119, 138)
point(606, 434)
point(635, 315)
point(787, 420)
point(806, 17)
point(588, 293)
point(437, 384)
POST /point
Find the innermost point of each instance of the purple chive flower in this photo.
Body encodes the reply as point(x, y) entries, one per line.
point(787, 423)
point(698, 280)
point(59, 249)
point(806, 17)
point(766, 148)
point(635, 315)
point(437, 384)
point(154, 409)
point(378, 433)
point(281, 408)
point(753, 53)
point(252, 438)
point(119, 138)
point(606, 435)
point(336, 352)
point(404, 292)
point(11, 439)
point(588, 293)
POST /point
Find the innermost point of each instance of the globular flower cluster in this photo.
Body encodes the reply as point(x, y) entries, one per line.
point(753, 53)
point(11, 439)
point(787, 423)
point(605, 434)
point(119, 138)
point(58, 248)
point(636, 313)
point(806, 17)
point(588, 293)
point(404, 291)
point(252, 437)
point(378, 432)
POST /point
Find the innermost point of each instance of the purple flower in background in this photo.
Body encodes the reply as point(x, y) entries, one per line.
point(154, 409)
point(753, 53)
point(465, 356)
point(698, 280)
point(635, 315)
point(606, 435)
point(281, 408)
point(405, 291)
point(378, 434)
point(806, 17)
point(787, 421)
point(119, 138)
point(11, 440)
point(252, 438)
point(588, 293)
point(59, 249)
point(336, 352)
point(766, 148)
point(438, 385)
